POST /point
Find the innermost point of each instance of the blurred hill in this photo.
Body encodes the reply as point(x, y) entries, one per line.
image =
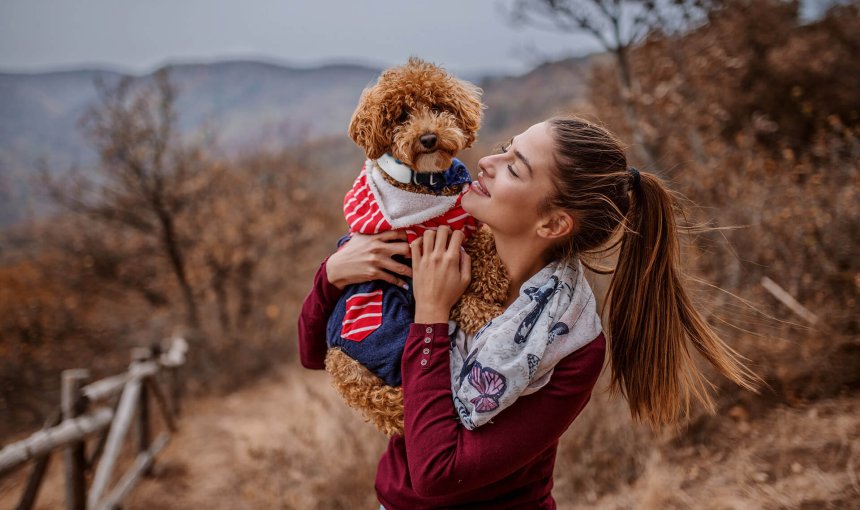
point(242, 100)
point(263, 188)
point(753, 116)
point(242, 104)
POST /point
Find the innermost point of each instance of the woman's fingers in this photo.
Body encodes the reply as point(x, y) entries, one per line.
point(392, 235)
point(397, 248)
point(457, 240)
point(395, 267)
point(390, 278)
point(429, 241)
point(441, 243)
point(415, 249)
point(441, 273)
point(465, 268)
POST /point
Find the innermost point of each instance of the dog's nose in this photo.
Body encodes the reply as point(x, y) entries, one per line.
point(428, 140)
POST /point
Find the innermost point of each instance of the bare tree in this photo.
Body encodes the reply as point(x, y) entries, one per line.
point(265, 210)
point(147, 174)
point(617, 25)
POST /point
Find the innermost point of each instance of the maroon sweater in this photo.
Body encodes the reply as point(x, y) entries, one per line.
point(437, 463)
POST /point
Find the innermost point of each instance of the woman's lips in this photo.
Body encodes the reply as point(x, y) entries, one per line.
point(478, 187)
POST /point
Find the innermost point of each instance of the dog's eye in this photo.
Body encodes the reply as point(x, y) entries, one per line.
point(435, 108)
point(403, 116)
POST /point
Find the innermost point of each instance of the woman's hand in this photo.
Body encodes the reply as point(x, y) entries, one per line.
point(368, 257)
point(442, 273)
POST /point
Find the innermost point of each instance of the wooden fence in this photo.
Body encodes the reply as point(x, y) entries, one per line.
point(153, 372)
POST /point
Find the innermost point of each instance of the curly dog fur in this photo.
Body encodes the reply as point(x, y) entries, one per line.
point(485, 297)
point(407, 103)
point(382, 405)
point(379, 403)
point(410, 101)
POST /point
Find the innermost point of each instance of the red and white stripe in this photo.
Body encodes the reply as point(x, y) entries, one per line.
point(363, 315)
point(364, 215)
point(361, 210)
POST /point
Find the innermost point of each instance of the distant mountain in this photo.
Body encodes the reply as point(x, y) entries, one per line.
point(245, 103)
point(516, 102)
point(549, 89)
point(240, 100)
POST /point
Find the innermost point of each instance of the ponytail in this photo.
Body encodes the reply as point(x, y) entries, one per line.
point(651, 318)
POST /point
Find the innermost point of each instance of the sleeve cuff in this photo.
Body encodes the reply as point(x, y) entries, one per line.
point(427, 346)
point(329, 290)
point(431, 330)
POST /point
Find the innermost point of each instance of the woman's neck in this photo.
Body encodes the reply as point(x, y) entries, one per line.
point(522, 258)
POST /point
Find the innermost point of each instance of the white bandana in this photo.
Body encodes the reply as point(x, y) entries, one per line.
point(515, 353)
point(405, 208)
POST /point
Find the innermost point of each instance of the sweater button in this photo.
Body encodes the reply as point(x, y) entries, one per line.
point(429, 329)
point(423, 362)
point(426, 350)
point(427, 339)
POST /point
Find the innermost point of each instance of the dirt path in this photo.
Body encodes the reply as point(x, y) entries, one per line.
point(288, 442)
point(806, 457)
point(281, 443)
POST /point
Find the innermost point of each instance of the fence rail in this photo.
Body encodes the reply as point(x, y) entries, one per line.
point(78, 419)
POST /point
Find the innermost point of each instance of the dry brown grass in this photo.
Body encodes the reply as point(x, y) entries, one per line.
point(288, 441)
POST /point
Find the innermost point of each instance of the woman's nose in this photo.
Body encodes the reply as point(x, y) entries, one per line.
point(485, 165)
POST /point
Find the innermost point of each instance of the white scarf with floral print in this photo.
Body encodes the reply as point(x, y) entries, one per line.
point(515, 353)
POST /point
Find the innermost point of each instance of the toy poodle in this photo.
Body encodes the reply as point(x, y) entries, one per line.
point(411, 124)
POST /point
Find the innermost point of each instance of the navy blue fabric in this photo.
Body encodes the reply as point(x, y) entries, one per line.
point(343, 239)
point(457, 173)
point(382, 349)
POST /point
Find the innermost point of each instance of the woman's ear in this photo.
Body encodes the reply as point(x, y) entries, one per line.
point(556, 224)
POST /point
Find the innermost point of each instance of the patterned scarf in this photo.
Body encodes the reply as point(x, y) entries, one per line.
point(515, 353)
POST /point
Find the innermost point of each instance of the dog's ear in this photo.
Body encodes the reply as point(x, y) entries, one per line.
point(467, 106)
point(367, 127)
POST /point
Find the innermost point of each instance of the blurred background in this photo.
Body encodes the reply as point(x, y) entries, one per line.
point(177, 168)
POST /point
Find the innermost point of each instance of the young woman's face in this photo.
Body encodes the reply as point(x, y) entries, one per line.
point(512, 184)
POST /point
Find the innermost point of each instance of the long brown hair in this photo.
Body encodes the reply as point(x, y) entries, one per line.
point(650, 319)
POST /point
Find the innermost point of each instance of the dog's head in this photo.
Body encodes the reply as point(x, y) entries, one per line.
point(420, 114)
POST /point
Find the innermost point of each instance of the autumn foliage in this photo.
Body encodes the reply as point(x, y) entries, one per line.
point(162, 238)
point(751, 112)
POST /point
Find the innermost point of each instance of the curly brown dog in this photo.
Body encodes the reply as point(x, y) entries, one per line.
point(411, 125)
point(420, 114)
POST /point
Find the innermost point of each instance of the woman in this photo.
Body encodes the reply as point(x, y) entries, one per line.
point(560, 190)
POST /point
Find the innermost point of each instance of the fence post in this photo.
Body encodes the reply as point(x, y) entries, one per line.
point(75, 460)
point(31, 492)
point(176, 354)
point(141, 355)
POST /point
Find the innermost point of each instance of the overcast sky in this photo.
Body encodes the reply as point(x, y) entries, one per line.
point(466, 36)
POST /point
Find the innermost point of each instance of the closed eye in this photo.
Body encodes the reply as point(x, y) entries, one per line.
point(502, 149)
